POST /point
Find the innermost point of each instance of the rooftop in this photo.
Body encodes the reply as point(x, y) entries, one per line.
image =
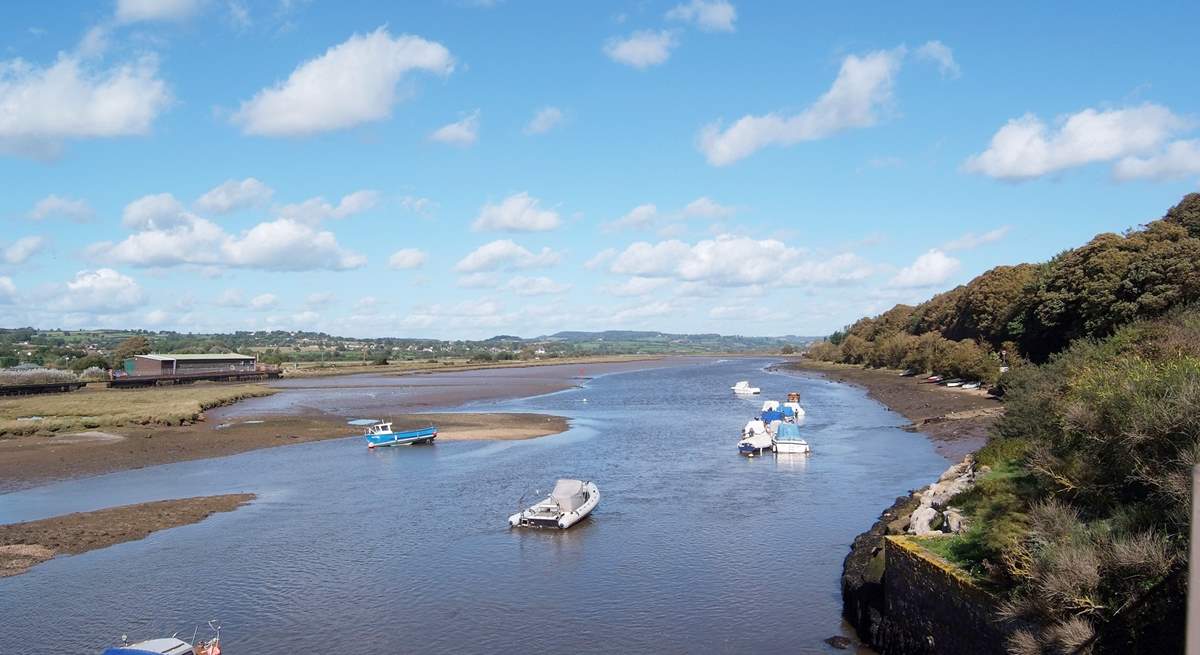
point(202, 356)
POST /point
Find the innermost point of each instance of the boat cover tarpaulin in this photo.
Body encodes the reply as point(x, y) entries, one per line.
point(772, 415)
point(788, 431)
point(568, 495)
point(788, 411)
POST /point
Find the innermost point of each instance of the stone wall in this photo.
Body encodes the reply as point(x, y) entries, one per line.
point(931, 607)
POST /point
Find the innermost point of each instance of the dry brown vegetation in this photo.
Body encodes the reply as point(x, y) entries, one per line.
point(109, 408)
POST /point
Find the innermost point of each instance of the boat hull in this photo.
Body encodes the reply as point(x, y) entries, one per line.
point(530, 518)
point(407, 438)
point(792, 447)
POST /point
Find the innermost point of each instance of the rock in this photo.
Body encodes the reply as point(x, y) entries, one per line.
point(920, 523)
point(955, 522)
point(839, 642)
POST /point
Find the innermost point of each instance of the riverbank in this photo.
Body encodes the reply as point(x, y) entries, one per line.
point(25, 545)
point(956, 420)
point(327, 369)
point(28, 461)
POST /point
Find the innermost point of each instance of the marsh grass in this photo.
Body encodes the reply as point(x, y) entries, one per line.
point(111, 408)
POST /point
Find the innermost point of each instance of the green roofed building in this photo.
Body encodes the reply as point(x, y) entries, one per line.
point(184, 364)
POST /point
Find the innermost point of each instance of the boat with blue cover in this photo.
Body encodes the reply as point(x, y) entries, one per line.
point(381, 434)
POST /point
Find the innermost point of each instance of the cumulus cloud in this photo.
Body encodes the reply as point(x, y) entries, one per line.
point(232, 195)
point(53, 206)
point(705, 207)
point(417, 204)
point(930, 269)
point(648, 215)
point(600, 259)
point(231, 298)
point(43, 107)
point(19, 251)
point(733, 261)
point(315, 210)
point(863, 87)
point(352, 83)
point(461, 133)
point(280, 245)
point(1177, 160)
point(546, 119)
point(519, 212)
point(708, 15)
point(535, 286)
point(637, 286)
point(406, 259)
point(640, 216)
point(478, 281)
point(155, 212)
point(641, 49)
point(319, 299)
point(8, 290)
point(504, 254)
point(264, 301)
point(971, 240)
point(102, 291)
point(940, 54)
point(1027, 148)
point(132, 11)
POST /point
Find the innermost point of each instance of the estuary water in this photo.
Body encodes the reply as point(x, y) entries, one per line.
point(693, 549)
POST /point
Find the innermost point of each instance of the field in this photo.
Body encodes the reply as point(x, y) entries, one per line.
point(317, 369)
point(100, 408)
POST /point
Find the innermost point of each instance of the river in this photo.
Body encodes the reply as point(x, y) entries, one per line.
point(693, 548)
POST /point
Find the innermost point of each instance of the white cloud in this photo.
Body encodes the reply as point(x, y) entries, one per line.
point(641, 49)
point(863, 87)
point(463, 132)
point(708, 15)
point(417, 204)
point(132, 11)
point(319, 299)
point(705, 207)
point(53, 206)
point(42, 107)
point(640, 216)
point(102, 291)
point(637, 286)
point(407, 258)
point(1026, 148)
point(8, 290)
point(279, 245)
point(517, 213)
point(971, 240)
point(504, 254)
point(232, 195)
point(736, 261)
point(546, 119)
point(535, 286)
point(1178, 159)
point(601, 258)
point(940, 54)
point(930, 269)
point(352, 83)
point(231, 298)
point(478, 281)
point(19, 251)
point(315, 210)
point(264, 301)
point(157, 317)
point(155, 212)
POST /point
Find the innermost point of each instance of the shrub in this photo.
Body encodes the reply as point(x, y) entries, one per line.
point(36, 376)
point(94, 374)
point(824, 351)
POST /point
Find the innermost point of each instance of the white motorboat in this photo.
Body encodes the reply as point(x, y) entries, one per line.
point(787, 440)
point(756, 439)
point(743, 388)
point(170, 645)
point(793, 405)
point(569, 503)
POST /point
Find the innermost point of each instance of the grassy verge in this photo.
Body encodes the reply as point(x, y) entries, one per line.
point(110, 408)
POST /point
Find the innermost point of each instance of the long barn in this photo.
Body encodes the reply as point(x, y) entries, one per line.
point(185, 364)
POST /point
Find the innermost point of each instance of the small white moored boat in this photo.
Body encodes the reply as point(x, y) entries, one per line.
point(569, 503)
point(743, 388)
point(787, 440)
point(755, 438)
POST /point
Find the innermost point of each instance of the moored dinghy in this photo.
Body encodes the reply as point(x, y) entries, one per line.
point(755, 438)
point(743, 388)
point(787, 440)
point(569, 503)
point(381, 434)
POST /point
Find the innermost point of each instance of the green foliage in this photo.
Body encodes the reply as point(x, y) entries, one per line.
point(855, 349)
point(824, 351)
point(89, 361)
point(787, 350)
point(136, 345)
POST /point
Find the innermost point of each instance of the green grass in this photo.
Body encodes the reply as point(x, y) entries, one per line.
point(89, 409)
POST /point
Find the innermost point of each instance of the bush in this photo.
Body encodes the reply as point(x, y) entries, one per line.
point(37, 376)
point(824, 351)
point(94, 374)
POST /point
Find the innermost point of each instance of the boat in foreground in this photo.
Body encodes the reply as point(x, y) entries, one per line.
point(787, 440)
point(743, 388)
point(381, 434)
point(569, 503)
point(170, 645)
point(755, 438)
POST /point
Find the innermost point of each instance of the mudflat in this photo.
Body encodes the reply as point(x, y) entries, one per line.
point(957, 420)
point(24, 545)
point(28, 461)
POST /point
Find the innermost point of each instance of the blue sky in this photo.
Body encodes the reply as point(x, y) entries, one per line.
point(462, 169)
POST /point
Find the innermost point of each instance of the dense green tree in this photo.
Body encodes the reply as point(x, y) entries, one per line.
point(136, 345)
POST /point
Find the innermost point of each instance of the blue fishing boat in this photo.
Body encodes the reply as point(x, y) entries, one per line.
point(381, 434)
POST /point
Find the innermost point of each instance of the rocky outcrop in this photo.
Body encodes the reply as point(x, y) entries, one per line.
point(908, 606)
